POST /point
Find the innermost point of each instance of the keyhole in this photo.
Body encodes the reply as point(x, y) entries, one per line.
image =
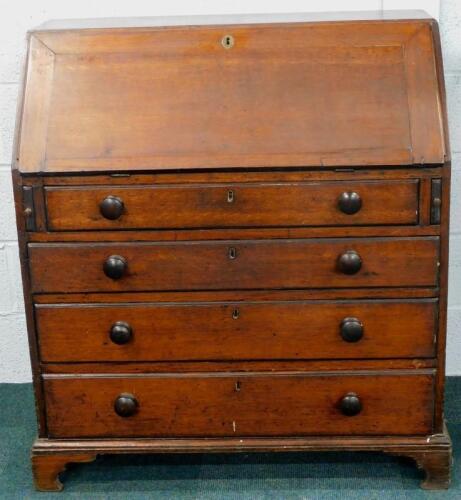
point(227, 41)
point(235, 314)
point(238, 385)
point(230, 196)
point(232, 253)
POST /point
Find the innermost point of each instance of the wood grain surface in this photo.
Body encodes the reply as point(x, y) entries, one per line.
point(258, 264)
point(240, 405)
point(284, 95)
point(234, 205)
point(236, 331)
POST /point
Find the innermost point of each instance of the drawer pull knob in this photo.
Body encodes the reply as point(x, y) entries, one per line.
point(349, 262)
point(350, 203)
point(350, 404)
point(111, 207)
point(351, 329)
point(126, 405)
point(121, 333)
point(115, 267)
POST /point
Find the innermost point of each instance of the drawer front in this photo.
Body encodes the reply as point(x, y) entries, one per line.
point(240, 404)
point(227, 265)
point(237, 331)
point(233, 205)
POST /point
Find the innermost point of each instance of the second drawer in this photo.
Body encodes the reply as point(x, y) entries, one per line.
point(237, 331)
point(234, 265)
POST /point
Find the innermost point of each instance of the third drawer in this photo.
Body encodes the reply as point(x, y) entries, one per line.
point(237, 331)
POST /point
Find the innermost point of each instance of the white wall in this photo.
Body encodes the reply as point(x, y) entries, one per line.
point(17, 16)
point(450, 27)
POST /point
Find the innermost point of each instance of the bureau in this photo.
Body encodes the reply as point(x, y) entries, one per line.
point(234, 236)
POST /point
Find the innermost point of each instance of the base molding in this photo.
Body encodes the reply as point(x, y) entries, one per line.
point(432, 453)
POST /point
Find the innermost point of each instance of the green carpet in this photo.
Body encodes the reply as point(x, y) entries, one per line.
point(235, 476)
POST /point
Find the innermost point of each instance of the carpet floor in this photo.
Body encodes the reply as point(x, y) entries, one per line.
point(234, 476)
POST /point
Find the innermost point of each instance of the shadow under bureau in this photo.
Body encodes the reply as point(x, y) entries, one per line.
point(234, 236)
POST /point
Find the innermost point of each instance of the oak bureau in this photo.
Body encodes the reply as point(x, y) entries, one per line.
point(234, 236)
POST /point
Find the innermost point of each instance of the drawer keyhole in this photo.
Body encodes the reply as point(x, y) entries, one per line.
point(230, 196)
point(235, 314)
point(232, 253)
point(227, 41)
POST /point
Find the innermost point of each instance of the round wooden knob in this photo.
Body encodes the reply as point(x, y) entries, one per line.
point(111, 207)
point(351, 329)
point(349, 262)
point(121, 333)
point(115, 267)
point(350, 404)
point(126, 405)
point(350, 203)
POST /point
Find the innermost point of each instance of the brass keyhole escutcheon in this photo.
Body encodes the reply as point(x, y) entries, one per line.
point(235, 314)
point(227, 41)
point(230, 196)
point(232, 253)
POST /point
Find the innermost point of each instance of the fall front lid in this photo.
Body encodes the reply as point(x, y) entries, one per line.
point(326, 93)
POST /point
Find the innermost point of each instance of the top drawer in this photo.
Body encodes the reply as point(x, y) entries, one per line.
point(339, 203)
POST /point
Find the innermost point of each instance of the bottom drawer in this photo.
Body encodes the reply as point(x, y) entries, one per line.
point(240, 404)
